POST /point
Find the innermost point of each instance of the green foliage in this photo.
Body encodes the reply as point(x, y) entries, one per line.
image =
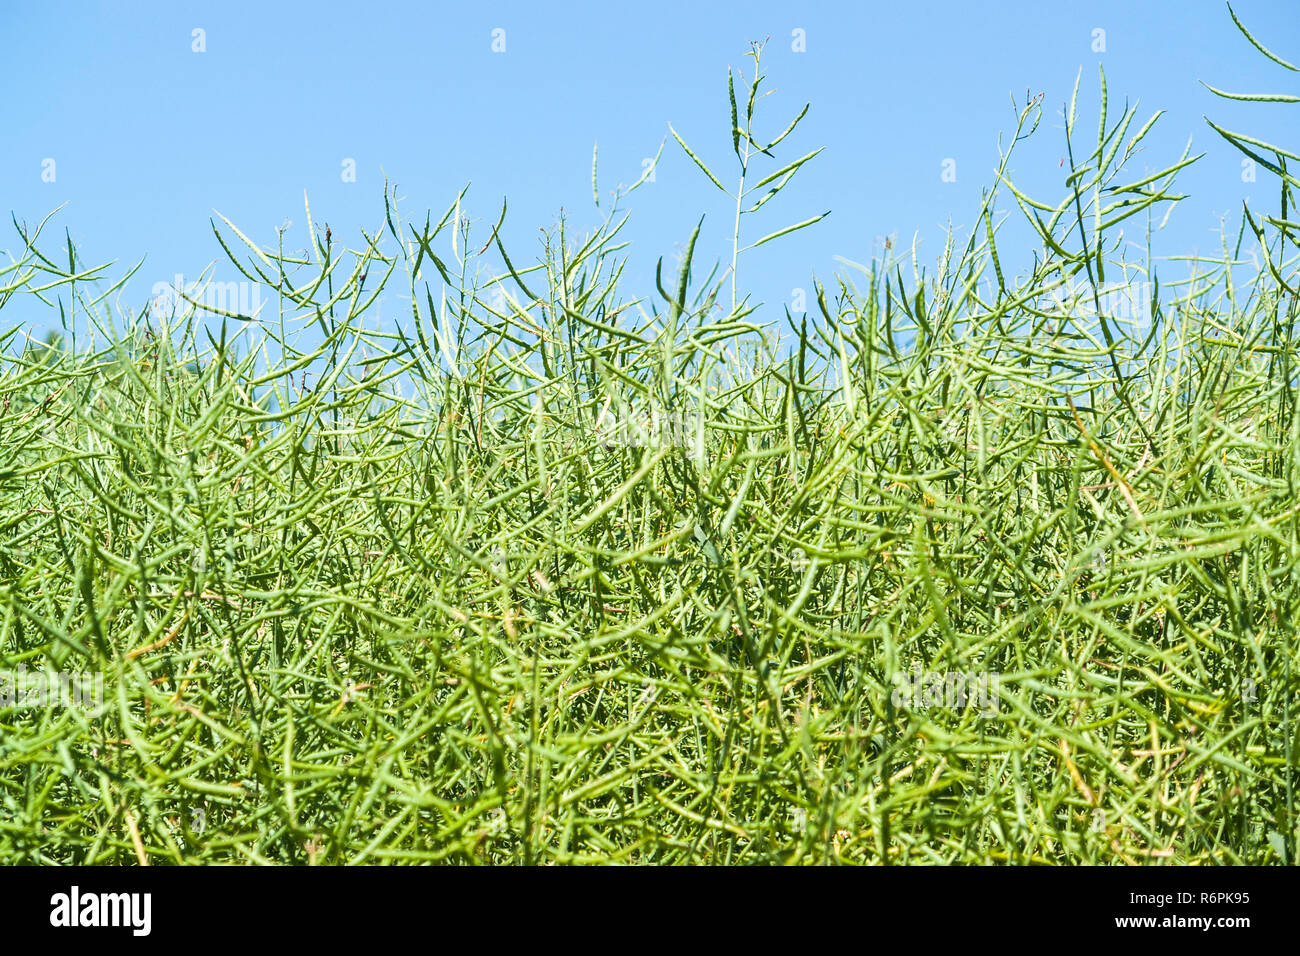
point(542, 577)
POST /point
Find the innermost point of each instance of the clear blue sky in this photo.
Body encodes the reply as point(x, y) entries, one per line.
point(149, 137)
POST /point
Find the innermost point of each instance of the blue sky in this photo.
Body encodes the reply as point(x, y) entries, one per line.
point(149, 137)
